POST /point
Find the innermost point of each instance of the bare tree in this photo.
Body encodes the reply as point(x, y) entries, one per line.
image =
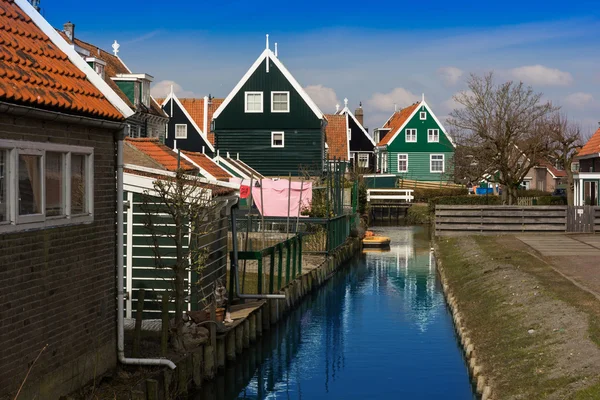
point(178, 214)
point(565, 138)
point(502, 123)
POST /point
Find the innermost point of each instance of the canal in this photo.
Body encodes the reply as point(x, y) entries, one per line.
point(379, 329)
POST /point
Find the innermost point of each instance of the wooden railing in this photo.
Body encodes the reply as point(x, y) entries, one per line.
point(398, 195)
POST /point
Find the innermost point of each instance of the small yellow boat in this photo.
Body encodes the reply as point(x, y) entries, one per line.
point(376, 241)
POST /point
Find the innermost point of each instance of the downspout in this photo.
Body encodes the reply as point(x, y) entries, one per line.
point(120, 289)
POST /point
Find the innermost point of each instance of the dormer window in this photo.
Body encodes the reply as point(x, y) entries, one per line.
point(136, 87)
point(97, 65)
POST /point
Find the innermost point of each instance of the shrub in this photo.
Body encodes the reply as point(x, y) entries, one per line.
point(424, 195)
point(463, 201)
point(417, 215)
point(551, 201)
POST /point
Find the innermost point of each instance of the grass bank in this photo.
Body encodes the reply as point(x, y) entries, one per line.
point(536, 334)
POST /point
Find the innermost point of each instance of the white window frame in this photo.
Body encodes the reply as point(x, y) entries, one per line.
point(15, 222)
point(411, 130)
point(181, 137)
point(349, 133)
point(431, 163)
point(273, 102)
point(430, 137)
point(422, 115)
point(246, 102)
point(384, 157)
point(282, 139)
point(405, 158)
point(358, 163)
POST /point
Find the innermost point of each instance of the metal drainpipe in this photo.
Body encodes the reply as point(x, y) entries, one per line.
point(234, 263)
point(120, 289)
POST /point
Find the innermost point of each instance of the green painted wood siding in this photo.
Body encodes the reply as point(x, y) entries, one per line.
point(419, 168)
point(422, 145)
point(128, 88)
point(302, 148)
point(234, 117)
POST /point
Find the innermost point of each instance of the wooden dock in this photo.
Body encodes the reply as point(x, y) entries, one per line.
point(389, 204)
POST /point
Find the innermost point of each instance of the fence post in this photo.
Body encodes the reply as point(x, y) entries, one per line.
point(287, 266)
point(260, 274)
point(300, 254)
point(279, 265)
point(295, 241)
point(272, 271)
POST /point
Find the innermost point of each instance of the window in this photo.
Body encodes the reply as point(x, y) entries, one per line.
point(180, 131)
point(146, 93)
point(423, 115)
point(363, 160)
point(136, 93)
point(54, 184)
point(349, 133)
point(433, 135)
point(44, 185)
point(277, 139)
point(280, 102)
point(99, 69)
point(384, 161)
point(254, 102)
point(436, 163)
point(402, 162)
point(411, 135)
point(134, 131)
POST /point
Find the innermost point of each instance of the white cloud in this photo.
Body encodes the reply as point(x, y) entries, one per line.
point(450, 75)
point(541, 75)
point(163, 88)
point(385, 101)
point(325, 97)
point(579, 99)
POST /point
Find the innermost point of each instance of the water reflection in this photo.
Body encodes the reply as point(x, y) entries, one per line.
point(377, 330)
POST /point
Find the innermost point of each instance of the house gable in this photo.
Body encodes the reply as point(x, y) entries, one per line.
point(196, 141)
point(397, 142)
point(303, 112)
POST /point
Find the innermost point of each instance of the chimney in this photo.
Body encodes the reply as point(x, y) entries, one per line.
point(69, 29)
point(359, 113)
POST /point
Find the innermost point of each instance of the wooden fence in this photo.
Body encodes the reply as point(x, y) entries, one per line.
point(495, 220)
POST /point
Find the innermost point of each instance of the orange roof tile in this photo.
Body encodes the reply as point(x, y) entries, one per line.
point(396, 121)
point(592, 146)
point(336, 136)
point(160, 153)
point(34, 72)
point(195, 107)
point(207, 164)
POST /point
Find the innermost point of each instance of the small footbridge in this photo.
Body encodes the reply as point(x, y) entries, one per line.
point(389, 204)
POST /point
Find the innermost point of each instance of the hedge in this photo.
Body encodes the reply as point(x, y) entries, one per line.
point(417, 215)
point(424, 195)
point(532, 193)
point(551, 201)
point(464, 201)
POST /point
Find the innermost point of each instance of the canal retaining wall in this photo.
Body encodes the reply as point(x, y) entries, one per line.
point(480, 381)
point(205, 363)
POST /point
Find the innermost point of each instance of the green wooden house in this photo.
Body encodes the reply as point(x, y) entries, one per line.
point(414, 145)
point(270, 121)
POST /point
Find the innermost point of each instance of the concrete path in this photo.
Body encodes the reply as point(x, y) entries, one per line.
point(564, 245)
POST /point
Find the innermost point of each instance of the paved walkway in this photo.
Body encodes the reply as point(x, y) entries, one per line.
point(564, 245)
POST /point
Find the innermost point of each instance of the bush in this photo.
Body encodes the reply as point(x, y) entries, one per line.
point(464, 201)
point(424, 195)
point(551, 201)
point(532, 193)
point(417, 215)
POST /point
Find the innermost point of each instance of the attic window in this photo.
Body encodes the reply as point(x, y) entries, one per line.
point(433, 135)
point(277, 139)
point(411, 136)
point(280, 102)
point(180, 131)
point(254, 102)
point(423, 115)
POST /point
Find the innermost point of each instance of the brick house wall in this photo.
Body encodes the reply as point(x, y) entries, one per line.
point(57, 285)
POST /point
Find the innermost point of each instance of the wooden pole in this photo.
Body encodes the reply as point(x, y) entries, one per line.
point(287, 228)
point(164, 338)
point(248, 223)
point(139, 312)
point(262, 215)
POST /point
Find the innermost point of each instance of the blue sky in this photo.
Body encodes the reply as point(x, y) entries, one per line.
point(379, 53)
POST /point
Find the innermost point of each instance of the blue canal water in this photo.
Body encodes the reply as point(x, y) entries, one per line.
point(379, 329)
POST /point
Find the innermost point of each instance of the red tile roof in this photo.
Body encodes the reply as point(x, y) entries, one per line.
point(558, 173)
point(336, 136)
point(592, 146)
point(195, 107)
point(160, 153)
point(396, 121)
point(207, 164)
point(34, 72)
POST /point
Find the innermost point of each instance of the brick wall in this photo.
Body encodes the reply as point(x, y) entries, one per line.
point(57, 286)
